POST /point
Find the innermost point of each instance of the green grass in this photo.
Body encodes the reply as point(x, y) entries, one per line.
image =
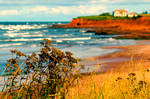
point(145, 15)
point(96, 17)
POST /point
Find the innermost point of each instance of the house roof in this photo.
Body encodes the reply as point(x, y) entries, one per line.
point(132, 13)
point(121, 10)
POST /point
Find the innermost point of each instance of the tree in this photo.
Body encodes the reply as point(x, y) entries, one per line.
point(145, 12)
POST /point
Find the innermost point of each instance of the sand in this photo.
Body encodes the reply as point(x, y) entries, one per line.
point(123, 59)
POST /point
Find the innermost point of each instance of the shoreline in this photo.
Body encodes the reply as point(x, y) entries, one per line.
point(125, 28)
point(121, 60)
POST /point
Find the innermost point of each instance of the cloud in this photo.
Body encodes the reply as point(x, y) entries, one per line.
point(118, 1)
point(40, 2)
point(40, 8)
point(147, 0)
point(9, 12)
point(81, 9)
point(105, 1)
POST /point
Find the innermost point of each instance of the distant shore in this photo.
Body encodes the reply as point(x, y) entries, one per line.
point(126, 28)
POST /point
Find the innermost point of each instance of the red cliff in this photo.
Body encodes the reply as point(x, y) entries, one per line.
point(139, 28)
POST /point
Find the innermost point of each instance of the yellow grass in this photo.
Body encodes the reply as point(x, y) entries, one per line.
point(145, 15)
point(115, 85)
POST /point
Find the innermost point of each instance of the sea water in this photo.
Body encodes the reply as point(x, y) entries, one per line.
point(26, 37)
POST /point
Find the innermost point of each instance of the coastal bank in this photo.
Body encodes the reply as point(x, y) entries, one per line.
point(138, 28)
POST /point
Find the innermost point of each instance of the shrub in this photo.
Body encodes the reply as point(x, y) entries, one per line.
point(47, 74)
point(105, 14)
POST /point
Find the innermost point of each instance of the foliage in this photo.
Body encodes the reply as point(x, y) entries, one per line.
point(136, 17)
point(105, 14)
point(145, 12)
point(47, 74)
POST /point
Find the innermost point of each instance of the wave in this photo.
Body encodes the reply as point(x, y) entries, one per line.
point(12, 44)
point(21, 35)
point(11, 34)
point(22, 39)
point(22, 27)
point(65, 35)
point(72, 39)
point(40, 35)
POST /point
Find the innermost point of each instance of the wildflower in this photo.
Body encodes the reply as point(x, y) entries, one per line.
point(13, 51)
point(118, 79)
point(47, 47)
point(142, 83)
point(65, 69)
point(12, 61)
point(19, 71)
point(34, 59)
point(131, 74)
point(8, 66)
point(68, 53)
point(41, 43)
point(58, 68)
point(14, 73)
point(20, 53)
point(33, 54)
point(48, 41)
point(147, 70)
point(44, 50)
point(16, 65)
point(73, 60)
point(83, 66)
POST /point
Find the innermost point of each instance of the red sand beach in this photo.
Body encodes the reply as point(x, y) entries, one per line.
point(122, 58)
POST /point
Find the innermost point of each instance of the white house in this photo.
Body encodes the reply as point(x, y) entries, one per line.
point(132, 14)
point(120, 13)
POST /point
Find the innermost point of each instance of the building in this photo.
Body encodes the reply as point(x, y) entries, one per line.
point(120, 13)
point(132, 14)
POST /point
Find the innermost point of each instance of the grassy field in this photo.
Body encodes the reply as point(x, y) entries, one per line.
point(145, 15)
point(114, 85)
point(95, 17)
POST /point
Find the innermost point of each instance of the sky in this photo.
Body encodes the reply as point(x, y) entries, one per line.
point(64, 10)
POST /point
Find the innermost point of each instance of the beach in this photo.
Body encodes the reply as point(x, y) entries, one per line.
point(128, 59)
point(122, 57)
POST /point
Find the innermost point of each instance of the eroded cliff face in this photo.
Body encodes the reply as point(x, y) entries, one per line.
point(124, 23)
point(126, 28)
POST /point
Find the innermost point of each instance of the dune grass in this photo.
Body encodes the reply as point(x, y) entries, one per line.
point(113, 85)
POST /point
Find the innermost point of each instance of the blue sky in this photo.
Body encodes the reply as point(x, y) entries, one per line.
point(64, 10)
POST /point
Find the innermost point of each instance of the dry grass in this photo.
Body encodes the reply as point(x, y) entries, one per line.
point(115, 85)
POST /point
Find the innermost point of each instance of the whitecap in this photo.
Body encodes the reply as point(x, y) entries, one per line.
point(58, 40)
point(111, 39)
point(72, 39)
point(21, 27)
point(22, 39)
point(14, 34)
point(12, 44)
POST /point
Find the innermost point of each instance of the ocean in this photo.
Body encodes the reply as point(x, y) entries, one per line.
point(26, 37)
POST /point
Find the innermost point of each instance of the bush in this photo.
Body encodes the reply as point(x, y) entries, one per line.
point(47, 74)
point(105, 14)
